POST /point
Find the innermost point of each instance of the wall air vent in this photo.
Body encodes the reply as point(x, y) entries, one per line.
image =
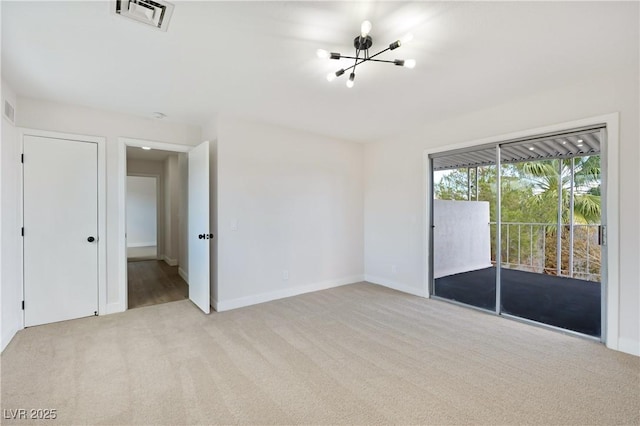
point(9, 112)
point(155, 13)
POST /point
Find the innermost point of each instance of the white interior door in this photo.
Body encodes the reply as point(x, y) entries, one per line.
point(199, 238)
point(60, 229)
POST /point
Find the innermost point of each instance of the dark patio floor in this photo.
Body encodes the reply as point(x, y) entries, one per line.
point(567, 303)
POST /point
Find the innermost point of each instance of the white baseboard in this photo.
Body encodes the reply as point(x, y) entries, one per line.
point(7, 337)
point(226, 305)
point(629, 346)
point(453, 271)
point(114, 308)
point(184, 275)
point(396, 286)
point(151, 244)
point(169, 261)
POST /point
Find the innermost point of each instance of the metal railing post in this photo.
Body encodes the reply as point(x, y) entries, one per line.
point(559, 229)
point(499, 230)
point(531, 245)
point(519, 239)
point(571, 218)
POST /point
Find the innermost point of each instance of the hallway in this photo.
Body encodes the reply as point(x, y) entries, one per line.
point(152, 282)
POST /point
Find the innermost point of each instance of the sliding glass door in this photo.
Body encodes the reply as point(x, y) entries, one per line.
point(522, 239)
point(462, 212)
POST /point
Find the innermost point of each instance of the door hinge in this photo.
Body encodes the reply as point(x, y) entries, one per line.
point(22, 231)
point(23, 305)
point(22, 158)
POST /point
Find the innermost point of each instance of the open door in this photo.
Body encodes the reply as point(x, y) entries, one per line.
point(199, 238)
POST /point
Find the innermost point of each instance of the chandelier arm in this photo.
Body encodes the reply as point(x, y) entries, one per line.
point(379, 53)
point(368, 59)
point(354, 65)
point(364, 60)
point(356, 60)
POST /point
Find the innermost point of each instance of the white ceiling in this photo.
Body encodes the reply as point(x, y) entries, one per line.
point(258, 59)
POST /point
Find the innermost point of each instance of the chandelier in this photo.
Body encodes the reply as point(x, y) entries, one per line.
point(362, 43)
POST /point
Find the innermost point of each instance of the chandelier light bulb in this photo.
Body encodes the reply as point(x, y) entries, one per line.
point(410, 63)
point(406, 39)
point(365, 28)
point(331, 76)
point(352, 77)
point(322, 54)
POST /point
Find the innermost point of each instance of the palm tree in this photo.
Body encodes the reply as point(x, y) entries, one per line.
point(545, 176)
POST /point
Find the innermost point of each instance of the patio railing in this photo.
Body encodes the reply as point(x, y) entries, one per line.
point(534, 247)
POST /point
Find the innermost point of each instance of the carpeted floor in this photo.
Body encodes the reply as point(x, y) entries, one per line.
point(563, 302)
point(358, 354)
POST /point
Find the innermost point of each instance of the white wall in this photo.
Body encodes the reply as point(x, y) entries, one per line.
point(44, 115)
point(461, 237)
point(183, 214)
point(10, 224)
point(153, 168)
point(142, 211)
point(296, 200)
point(169, 175)
point(171, 206)
point(395, 188)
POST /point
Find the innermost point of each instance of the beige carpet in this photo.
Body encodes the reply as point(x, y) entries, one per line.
point(359, 354)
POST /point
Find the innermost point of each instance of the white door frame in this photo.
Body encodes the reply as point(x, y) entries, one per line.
point(123, 143)
point(102, 206)
point(609, 160)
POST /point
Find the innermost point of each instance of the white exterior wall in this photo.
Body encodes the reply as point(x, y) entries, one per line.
point(461, 237)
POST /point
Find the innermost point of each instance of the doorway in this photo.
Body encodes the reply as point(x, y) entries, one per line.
point(519, 229)
point(155, 211)
point(195, 222)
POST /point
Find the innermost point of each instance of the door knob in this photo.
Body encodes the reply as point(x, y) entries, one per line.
point(91, 239)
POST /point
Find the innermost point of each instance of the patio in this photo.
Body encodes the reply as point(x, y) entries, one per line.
point(564, 302)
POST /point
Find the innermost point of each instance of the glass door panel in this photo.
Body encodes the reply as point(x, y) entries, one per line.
point(550, 211)
point(463, 230)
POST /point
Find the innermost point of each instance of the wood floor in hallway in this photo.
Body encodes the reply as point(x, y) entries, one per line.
point(152, 282)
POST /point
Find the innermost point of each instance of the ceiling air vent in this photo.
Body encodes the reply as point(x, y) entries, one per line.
point(155, 13)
